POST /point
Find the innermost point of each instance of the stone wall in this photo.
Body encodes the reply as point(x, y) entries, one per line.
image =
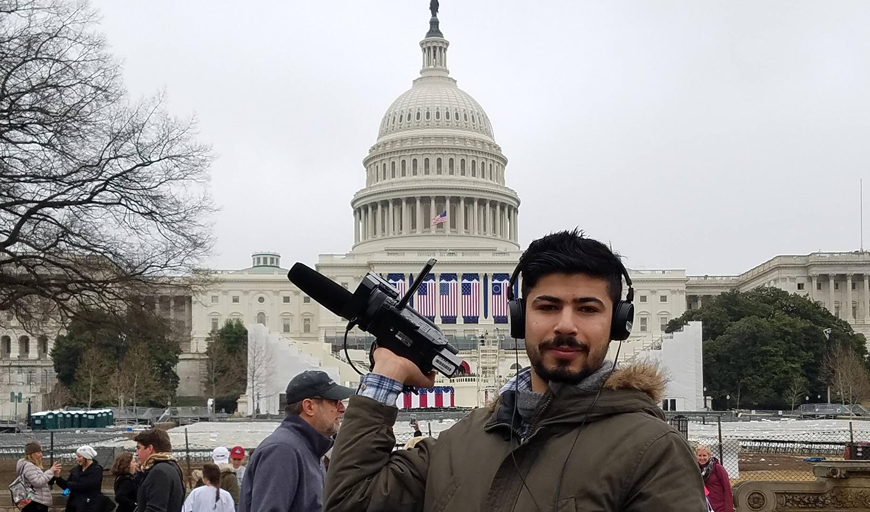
point(839, 486)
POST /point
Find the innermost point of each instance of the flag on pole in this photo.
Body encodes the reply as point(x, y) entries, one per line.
point(441, 218)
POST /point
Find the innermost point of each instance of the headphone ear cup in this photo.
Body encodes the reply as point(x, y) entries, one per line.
point(623, 318)
point(517, 310)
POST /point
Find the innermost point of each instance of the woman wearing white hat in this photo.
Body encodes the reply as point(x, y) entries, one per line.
point(85, 482)
point(229, 482)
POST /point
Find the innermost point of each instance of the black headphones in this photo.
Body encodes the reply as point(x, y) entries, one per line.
point(620, 325)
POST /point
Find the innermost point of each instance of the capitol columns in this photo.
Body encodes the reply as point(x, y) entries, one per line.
point(405, 228)
point(498, 219)
point(418, 212)
point(379, 228)
point(356, 225)
point(391, 225)
point(814, 279)
point(866, 307)
point(474, 217)
point(832, 305)
point(449, 216)
point(432, 214)
point(461, 225)
point(849, 317)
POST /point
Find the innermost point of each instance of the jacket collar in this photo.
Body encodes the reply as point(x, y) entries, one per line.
point(314, 440)
point(631, 388)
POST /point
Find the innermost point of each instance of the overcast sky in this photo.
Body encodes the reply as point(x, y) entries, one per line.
point(709, 136)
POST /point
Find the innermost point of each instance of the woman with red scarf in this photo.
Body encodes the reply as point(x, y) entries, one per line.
point(716, 481)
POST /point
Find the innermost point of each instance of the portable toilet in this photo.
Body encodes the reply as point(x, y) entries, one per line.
point(67, 420)
point(102, 419)
point(90, 419)
point(111, 417)
point(50, 420)
point(76, 419)
point(37, 421)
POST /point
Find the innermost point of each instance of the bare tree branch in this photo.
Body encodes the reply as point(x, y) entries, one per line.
point(100, 199)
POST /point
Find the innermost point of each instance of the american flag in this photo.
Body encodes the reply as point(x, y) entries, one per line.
point(449, 291)
point(398, 282)
point(440, 218)
point(426, 297)
point(470, 298)
point(499, 297)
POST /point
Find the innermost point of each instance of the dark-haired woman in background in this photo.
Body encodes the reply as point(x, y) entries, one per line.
point(210, 497)
point(126, 487)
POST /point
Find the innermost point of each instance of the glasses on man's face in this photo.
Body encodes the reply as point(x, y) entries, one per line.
point(330, 401)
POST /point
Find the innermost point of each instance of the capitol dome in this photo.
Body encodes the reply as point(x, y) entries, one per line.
point(435, 102)
point(435, 176)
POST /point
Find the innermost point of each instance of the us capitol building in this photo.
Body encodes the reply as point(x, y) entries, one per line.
point(436, 159)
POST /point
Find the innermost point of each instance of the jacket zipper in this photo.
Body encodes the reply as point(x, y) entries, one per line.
point(537, 418)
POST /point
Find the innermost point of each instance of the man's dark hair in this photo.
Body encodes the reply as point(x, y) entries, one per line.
point(155, 437)
point(571, 252)
point(294, 409)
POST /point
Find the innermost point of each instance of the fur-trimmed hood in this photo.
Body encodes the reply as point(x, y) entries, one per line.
point(646, 377)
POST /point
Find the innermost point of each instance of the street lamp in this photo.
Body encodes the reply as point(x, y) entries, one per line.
point(728, 401)
point(705, 398)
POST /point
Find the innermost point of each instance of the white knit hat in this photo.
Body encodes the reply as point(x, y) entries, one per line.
point(221, 455)
point(87, 452)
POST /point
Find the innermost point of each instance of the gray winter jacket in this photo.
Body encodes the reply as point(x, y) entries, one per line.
point(285, 474)
point(40, 480)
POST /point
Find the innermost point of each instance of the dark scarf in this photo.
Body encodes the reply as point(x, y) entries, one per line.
point(707, 468)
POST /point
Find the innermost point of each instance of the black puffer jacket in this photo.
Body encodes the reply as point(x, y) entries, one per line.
point(125, 493)
point(84, 489)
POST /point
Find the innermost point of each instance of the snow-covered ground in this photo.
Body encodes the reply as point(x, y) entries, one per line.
point(206, 436)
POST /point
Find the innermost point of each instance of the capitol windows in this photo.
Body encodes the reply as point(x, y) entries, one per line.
point(450, 167)
point(428, 115)
point(306, 299)
point(465, 116)
point(24, 345)
point(414, 167)
point(437, 115)
point(462, 167)
point(438, 166)
point(392, 169)
point(643, 298)
point(261, 299)
point(235, 299)
point(404, 166)
point(215, 323)
point(663, 323)
point(285, 324)
point(7, 345)
point(644, 327)
point(286, 299)
point(800, 286)
point(447, 115)
point(426, 166)
point(42, 346)
point(473, 168)
point(306, 325)
point(261, 318)
point(214, 299)
point(491, 175)
point(417, 117)
point(663, 298)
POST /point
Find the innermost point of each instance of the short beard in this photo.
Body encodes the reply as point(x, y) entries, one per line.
point(563, 372)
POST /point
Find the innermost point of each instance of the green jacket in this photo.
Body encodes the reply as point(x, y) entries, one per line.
point(626, 458)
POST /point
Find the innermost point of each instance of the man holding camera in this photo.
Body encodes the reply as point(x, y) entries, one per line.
point(569, 433)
